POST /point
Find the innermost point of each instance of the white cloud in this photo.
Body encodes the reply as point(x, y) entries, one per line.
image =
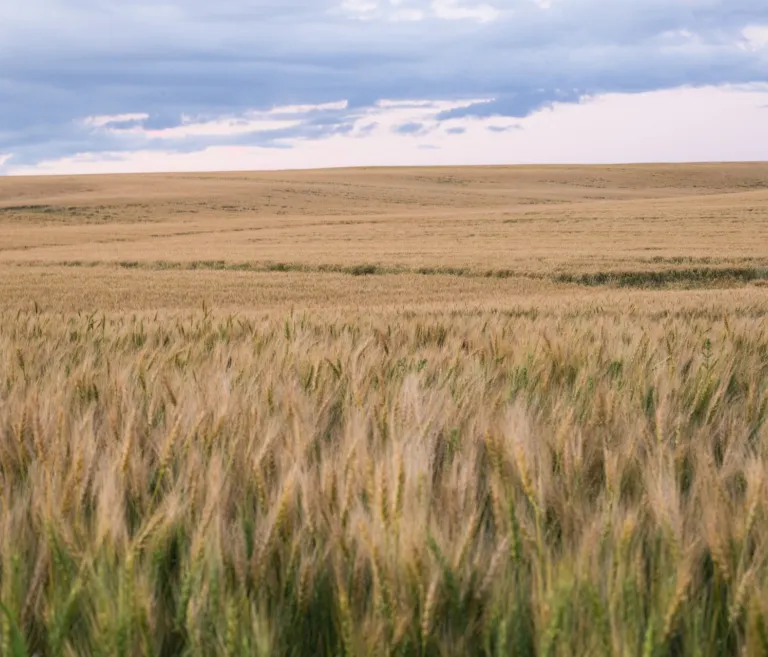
point(4, 158)
point(405, 103)
point(686, 124)
point(438, 105)
point(417, 10)
point(307, 109)
point(249, 122)
point(453, 10)
point(407, 15)
point(360, 8)
point(216, 128)
point(755, 37)
point(677, 35)
point(106, 120)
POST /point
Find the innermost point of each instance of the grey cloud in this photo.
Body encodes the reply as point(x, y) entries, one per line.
point(63, 60)
point(409, 128)
point(368, 128)
point(517, 105)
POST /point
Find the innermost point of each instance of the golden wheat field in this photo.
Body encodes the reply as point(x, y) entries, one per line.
point(458, 411)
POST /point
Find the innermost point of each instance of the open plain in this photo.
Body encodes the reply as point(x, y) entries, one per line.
point(448, 411)
point(172, 241)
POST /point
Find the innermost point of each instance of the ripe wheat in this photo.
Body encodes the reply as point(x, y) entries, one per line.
point(413, 483)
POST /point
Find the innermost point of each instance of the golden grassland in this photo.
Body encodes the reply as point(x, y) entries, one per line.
point(537, 221)
point(531, 422)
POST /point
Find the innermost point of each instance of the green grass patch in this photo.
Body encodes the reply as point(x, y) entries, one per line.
point(690, 277)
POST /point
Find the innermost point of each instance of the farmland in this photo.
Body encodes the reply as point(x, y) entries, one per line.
point(459, 411)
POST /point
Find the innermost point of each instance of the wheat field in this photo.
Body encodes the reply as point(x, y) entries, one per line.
point(479, 411)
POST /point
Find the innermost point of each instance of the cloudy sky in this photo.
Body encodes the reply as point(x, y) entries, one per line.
point(157, 85)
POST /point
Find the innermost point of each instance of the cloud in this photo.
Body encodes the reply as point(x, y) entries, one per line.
point(514, 105)
point(409, 129)
point(503, 128)
point(755, 37)
point(116, 120)
point(703, 124)
point(284, 127)
point(186, 76)
point(190, 128)
point(454, 10)
point(415, 10)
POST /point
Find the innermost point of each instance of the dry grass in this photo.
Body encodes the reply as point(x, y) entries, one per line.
point(552, 481)
point(532, 219)
point(414, 459)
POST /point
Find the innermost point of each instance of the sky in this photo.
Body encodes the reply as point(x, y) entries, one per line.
point(106, 86)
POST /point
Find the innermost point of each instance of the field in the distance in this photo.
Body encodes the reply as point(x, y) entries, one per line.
point(171, 241)
point(477, 411)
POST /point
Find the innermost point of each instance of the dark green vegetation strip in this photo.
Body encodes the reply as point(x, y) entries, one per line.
point(689, 277)
point(696, 276)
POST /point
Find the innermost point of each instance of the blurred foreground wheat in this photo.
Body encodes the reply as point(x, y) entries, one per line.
point(407, 484)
